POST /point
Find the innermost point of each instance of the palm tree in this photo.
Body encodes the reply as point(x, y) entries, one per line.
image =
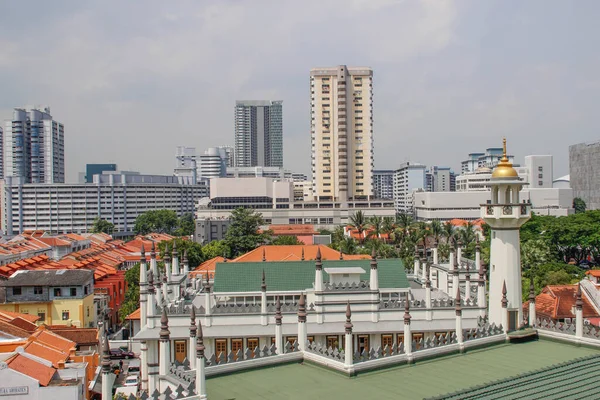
point(358, 221)
point(348, 246)
point(467, 235)
point(388, 225)
point(448, 231)
point(375, 223)
point(436, 230)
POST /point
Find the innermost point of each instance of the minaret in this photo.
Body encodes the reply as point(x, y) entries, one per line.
point(263, 300)
point(318, 272)
point(108, 377)
point(143, 288)
point(532, 316)
point(165, 344)
point(200, 365)
point(302, 323)
point(348, 352)
point(505, 215)
point(153, 265)
point(278, 335)
point(167, 261)
point(374, 276)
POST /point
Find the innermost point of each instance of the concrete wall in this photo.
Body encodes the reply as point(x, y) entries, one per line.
point(584, 167)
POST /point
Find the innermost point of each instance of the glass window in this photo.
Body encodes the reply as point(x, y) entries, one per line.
point(73, 291)
point(42, 316)
point(37, 290)
point(65, 315)
point(56, 292)
point(17, 291)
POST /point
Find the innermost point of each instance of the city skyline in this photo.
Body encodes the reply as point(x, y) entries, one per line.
point(448, 83)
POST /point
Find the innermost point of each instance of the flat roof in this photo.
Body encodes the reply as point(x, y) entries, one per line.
point(345, 270)
point(434, 377)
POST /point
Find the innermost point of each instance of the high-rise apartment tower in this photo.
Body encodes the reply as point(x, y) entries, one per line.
point(342, 132)
point(258, 133)
point(34, 146)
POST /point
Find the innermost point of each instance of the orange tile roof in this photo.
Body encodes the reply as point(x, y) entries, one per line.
point(293, 230)
point(79, 336)
point(594, 272)
point(38, 371)
point(53, 340)
point(558, 302)
point(279, 253)
point(207, 266)
point(12, 315)
point(13, 330)
point(47, 353)
point(134, 315)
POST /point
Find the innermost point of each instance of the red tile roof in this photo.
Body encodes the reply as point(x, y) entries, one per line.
point(11, 315)
point(280, 253)
point(47, 353)
point(134, 315)
point(34, 369)
point(558, 302)
point(80, 336)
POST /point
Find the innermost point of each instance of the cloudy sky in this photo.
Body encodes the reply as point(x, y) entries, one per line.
point(132, 80)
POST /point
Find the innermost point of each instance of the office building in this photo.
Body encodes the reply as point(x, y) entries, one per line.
point(383, 184)
point(229, 154)
point(259, 133)
point(276, 201)
point(408, 179)
point(488, 159)
point(440, 179)
point(186, 164)
point(266, 172)
point(540, 170)
point(342, 132)
point(94, 169)
point(34, 146)
point(116, 197)
point(213, 163)
point(1, 153)
point(584, 171)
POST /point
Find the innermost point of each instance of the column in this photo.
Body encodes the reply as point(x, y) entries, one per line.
point(455, 280)
point(459, 330)
point(263, 301)
point(532, 316)
point(278, 334)
point(144, 364)
point(167, 261)
point(152, 365)
point(175, 255)
point(186, 265)
point(481, 300)
point(429, 312)
point(416, 263)
point(477, 253)
point(318, 285)
point(165, 288)
point(164, 345)
point(407, 332)
point(435, 253)
point(579, 313)
point(143, 288)
point(468, 284)
point(302, 323)
point(348, 351)
point(153, 264)
point(200, 365)
point(504, 308)
point(207, 302)
point(374, 286)
point(192, 344)
point(151, 310)
point(107, 376)
point(459, 251)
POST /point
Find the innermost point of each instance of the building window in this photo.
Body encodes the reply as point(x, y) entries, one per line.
point(333, 342)
point(221, 347)
point(540, 169)
point(86, 289)
point(37, 290)
point(42, 316)
point(540, 183)
point(88, 312)
point(65, 315)
point(253, 345)
point(237, 345)
point(540, 176)
point(17, 291)
point(57, 292)
point(73, 292)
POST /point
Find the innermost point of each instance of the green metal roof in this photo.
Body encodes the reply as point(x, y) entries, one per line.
point(429, 378)
point(299, 275)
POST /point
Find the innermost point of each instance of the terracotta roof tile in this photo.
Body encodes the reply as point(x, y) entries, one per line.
point(34, 369)
point(134, 315)
point(53, 340)
point(80, 336)
point(47, 353)
point(12, 315)
point(279, 253)
point(558, 302)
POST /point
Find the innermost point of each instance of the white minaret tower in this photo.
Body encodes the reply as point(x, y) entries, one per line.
point(505, 215)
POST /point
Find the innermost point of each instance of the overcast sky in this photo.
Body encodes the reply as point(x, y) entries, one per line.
point(132, 80)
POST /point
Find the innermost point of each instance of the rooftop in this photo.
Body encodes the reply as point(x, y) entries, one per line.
point(61, 277)
point(423, 379)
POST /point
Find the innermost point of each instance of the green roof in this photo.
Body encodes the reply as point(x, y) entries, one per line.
point(299, 275)
point(429, 378)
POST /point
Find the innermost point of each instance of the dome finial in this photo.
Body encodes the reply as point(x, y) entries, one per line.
point(504, 169)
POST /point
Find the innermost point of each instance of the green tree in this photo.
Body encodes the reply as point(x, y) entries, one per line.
point(535, 253)
point(102, 226)
point(437, 230)
point(243, 234)
point(375, 225)
point(579, 205)
point(286, 240)
point(132, 295)
point(348, 246)
point(448, 231)
point(358, 221)
point(388, 225)
point(186, 226)
point(216, 248)
point(160, 221)
point(195, 252)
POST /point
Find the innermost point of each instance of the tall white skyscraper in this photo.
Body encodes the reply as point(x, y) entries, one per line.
point(342, 132)
point(259, 133)
point(34, 146)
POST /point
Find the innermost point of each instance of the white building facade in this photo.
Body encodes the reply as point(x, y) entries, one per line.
point(408, 179)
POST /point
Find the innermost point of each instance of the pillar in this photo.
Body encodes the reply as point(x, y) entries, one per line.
point(151, 303)
point(423, 262)
point(207, 302)
point(348, 351)
point(481, 300)
point(107, 375)
point(175, 254)
point(435, 253)
point(165, 288)
point(143, 288)
point(429, 312)
point(532, 316)
point(579, 313)
point(302, 323)
point(459, 330)
point(407, 332)
point(192, 342)
point(200, 365)
point(263, 301)
point(468, 284)
point(152, 365)
point(416, 263)
point(374, 286)
point(159, 292)
point(278, 334)
point(455, 280)
point(318, 285)
point(186, 264)
point(477, 253)
point(153, 264)
point(504, 303)
point(167, 261)
point(144, 364)
point(459, 252)
point(164, 345)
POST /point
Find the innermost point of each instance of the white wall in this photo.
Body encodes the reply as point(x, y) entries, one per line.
point(539, 166)
point(250, 187)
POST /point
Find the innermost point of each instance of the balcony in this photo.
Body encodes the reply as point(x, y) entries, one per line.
point(506, 211)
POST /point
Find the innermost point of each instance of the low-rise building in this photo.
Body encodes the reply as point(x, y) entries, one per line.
point(59, 297)
point(209, 229)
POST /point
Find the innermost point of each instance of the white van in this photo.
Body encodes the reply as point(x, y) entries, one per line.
point(127, 390)
point(134, 367)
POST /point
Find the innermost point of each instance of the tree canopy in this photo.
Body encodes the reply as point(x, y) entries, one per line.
point(579, 205)
point(102, 226)
point(243, 234)
point(195, 252)
point(160, 221)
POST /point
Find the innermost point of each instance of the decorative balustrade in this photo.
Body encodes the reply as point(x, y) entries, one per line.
point(549, 325)
point(483, 330)
point(331, 287)
point(421, 304)
point(180, 393)
point(285, 307)
point(234, 308)
point(329, 352)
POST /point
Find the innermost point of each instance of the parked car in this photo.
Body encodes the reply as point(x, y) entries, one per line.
point(133, 368)
point(132, 380)
point(120, 353)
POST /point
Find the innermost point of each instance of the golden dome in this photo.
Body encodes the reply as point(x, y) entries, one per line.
point(504, 169)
